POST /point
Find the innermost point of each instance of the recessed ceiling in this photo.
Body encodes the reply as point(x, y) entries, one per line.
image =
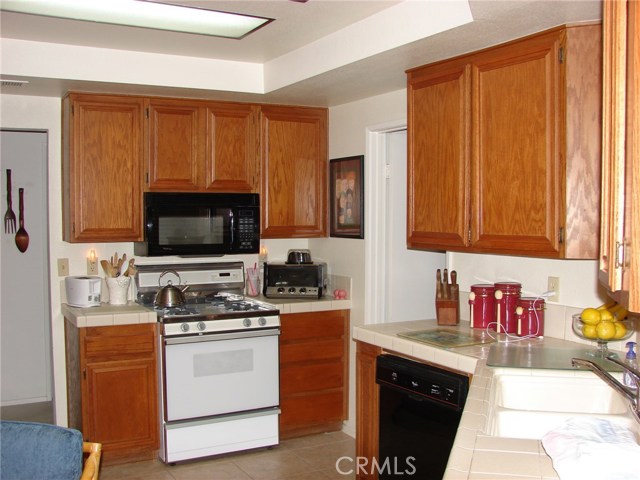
point(299, 28)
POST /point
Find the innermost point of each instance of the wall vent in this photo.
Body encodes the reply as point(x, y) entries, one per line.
point(12, 83)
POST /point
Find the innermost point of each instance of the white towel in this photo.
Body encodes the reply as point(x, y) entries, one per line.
point(586, 448)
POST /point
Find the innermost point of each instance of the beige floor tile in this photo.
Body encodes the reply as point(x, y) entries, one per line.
point(334, 474)
point(326, 456)
point(314, 440)
point(273, 465)
point(210, 471)
point(133, 470)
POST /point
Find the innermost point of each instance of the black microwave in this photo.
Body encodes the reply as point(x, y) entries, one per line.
point(200, 224)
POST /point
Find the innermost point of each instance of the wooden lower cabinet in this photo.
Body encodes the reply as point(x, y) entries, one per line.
point(112, 388)
point(313, 372)
point(367, 408)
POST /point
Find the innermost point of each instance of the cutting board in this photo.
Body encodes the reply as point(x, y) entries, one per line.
point(445, 338)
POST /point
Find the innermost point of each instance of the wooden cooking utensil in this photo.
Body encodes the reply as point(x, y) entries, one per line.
point(22, 237)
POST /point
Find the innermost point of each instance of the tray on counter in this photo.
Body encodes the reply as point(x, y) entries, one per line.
point(448, 338)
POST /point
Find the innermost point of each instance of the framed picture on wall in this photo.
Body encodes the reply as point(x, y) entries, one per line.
point(346, 200)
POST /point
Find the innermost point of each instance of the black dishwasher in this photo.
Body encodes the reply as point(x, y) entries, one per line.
point(420, 409)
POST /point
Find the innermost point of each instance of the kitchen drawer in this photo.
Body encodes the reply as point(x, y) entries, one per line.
point(315, 409)
point(313, 325)
point(309, 378)
point(320, 350)
point(127, 341)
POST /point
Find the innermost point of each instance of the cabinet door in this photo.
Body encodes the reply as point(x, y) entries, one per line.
point(232, 148)
point(102, 168)
point(516, 161)
point(176, 145)
point(619, 266)
point(119, 389)
point(119, 407)
point(294, 170)
point(438, 156)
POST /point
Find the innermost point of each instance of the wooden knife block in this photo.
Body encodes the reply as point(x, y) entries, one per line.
point(448, 310)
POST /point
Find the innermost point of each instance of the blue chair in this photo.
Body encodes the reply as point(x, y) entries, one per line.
point(30, 451)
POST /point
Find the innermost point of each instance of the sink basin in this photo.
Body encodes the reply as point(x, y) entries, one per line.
point(524, 406)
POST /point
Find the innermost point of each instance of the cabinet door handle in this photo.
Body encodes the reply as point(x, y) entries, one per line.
point(619, 255)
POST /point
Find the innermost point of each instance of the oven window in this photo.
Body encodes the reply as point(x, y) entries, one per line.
point(222, 363)
point(194, 226)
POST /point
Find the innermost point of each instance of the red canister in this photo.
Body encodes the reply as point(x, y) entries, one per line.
point(507, 295)
point(530, 317)
point(482, 305)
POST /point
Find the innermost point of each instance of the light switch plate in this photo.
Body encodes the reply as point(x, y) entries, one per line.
point(63, 267)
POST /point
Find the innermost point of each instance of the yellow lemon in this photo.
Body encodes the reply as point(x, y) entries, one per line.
point(589, 331)
point(606, 330)
point(621, 330)
point(590, 316)
point(606, 316)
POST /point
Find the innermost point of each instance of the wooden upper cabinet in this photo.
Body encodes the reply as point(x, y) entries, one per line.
point(293, 171)
point(102, 168)
point(438, 160)
point(232, 150)
point(515, 167)
point(619, 262)
point(176, 145)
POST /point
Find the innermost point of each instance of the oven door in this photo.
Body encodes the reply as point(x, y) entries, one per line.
point(220, 373)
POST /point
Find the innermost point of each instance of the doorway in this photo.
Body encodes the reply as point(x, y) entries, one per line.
point(400, 283)
point(25, 327)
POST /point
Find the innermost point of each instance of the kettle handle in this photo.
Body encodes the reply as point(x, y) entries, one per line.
point(169, 271)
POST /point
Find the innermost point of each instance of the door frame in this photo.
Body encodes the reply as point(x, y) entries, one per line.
point(376, 200)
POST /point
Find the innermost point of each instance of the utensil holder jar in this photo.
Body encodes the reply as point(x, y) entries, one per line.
point(118, 289)
point(530, 317)
point(507, 295)
point(482, 306)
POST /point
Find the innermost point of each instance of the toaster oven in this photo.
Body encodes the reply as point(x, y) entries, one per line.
point(285, 280)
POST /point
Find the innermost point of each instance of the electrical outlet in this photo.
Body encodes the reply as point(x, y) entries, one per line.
point(553, 285)
point(92, 266)
point(63, 267)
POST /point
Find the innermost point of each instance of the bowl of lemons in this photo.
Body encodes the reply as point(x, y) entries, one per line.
point(603, 324)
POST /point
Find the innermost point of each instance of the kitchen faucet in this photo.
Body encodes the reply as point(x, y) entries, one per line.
point(633, 395)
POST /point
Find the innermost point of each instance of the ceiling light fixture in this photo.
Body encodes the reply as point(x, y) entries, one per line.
point(144, 13)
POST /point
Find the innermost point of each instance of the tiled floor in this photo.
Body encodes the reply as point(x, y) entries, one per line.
point(306, 458)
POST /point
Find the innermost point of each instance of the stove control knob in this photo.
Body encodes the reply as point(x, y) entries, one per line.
point(262, 321)
point(246, 322)
point(184, 327)
point(201, 326)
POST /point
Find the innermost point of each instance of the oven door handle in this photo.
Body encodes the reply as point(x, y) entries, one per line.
point(214, 337)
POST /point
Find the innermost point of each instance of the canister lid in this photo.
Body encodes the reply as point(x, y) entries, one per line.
point(508, 287)
point(531, 302)
point(483, 289)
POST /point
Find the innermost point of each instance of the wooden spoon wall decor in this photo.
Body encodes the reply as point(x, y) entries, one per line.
point(22, 237)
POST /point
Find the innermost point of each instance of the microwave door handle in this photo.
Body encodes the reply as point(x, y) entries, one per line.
point(232, 226)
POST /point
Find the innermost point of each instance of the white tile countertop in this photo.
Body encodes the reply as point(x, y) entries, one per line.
point(108, 315)
point(476, 455)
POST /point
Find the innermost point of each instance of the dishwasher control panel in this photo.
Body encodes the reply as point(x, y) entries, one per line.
point(426, 381)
